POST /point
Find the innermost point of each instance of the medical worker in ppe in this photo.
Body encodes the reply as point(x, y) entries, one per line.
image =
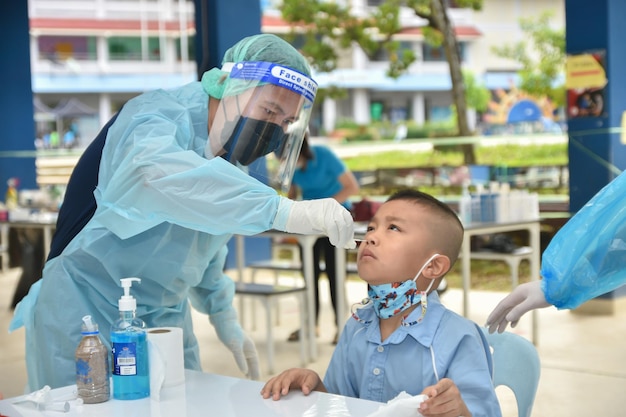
point(169, 180)
point(586, 258)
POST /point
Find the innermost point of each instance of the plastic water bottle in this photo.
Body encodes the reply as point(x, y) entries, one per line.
point(131, 378)
point(465, 206)
point(92, 365)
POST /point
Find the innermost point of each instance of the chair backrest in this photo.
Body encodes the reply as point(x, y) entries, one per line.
point(516, 365)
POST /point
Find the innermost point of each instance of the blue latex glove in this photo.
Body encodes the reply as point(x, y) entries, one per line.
point(233, 337)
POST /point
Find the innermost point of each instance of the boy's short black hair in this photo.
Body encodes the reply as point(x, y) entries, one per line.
point(451, 243)
point(427, 200)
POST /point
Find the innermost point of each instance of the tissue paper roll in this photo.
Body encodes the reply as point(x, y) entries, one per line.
point(169, 357)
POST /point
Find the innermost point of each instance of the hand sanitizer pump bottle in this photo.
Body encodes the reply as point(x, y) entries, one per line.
point(131, 379)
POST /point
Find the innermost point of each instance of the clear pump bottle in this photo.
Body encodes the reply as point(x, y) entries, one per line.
point(131, 379)
point(92, 365)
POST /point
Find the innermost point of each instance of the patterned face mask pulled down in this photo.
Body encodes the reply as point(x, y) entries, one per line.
point(393, 298)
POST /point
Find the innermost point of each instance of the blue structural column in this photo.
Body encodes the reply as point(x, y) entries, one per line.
point(597, 152)
point(219, 25)
point(17, 126)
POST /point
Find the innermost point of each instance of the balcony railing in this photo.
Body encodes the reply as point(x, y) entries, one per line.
point(111, 9)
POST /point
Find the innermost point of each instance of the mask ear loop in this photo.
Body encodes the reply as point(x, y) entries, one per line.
point(423, 294)
point(364, 302)
point(424, 300)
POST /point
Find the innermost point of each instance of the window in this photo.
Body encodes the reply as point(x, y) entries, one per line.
point(437, 54)
point(382, 54)
point(123, 48)
point(59, 48)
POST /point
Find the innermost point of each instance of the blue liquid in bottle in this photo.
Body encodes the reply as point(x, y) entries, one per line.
point(131, 377)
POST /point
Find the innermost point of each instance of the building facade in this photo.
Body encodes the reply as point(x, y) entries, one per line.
point(103, 52)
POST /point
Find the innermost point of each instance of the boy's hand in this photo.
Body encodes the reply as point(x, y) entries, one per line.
point(444, 400)
point(304, 379)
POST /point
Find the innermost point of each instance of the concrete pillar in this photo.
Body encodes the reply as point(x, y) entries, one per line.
point(104, 105)
point(34, 48)
point(329, 115)
point(418, 108)
point(102, 55)
point(361, 106)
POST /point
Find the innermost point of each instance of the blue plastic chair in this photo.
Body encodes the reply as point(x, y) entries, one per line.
point(516, 365)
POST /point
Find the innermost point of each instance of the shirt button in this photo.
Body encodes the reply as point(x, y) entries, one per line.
point(380, 349)
point(376, 371)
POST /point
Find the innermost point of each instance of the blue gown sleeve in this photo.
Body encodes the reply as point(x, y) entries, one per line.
point(587, 255)
point(153, 170)
point(214, 294)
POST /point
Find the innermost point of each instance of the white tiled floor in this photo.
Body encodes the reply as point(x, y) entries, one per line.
point(583, 357)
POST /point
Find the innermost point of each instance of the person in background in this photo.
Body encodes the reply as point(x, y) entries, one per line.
point(585, 259)
point(321, 174)
point(159, 193)
point(403, 338)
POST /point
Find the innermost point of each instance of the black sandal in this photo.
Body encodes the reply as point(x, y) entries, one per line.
point(294, 337)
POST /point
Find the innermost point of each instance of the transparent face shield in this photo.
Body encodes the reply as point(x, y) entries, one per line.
point(264, 112)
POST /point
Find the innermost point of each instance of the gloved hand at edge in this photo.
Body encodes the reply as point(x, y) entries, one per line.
point(523, 298)
point(233, 337)
point(324, 216)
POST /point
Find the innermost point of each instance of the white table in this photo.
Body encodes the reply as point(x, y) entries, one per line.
point(476, 229)
point(307, 242)
point(206, 394)
point(47, 224)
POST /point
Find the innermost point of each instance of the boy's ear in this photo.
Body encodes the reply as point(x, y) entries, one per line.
point(438, 267)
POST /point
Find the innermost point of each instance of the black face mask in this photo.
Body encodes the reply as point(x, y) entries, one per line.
point(252, 139)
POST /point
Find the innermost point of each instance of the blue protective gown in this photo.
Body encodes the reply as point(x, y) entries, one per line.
point(364, 366)
point(164, 214)
point(587, 256)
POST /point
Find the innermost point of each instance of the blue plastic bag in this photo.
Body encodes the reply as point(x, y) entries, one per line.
point(587, 256)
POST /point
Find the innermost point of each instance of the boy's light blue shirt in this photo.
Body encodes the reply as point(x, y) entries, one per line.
point(365, 367)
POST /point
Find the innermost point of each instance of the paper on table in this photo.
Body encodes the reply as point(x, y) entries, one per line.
point(404, 405)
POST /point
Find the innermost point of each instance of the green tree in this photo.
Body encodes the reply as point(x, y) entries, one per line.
point(329, 29)
point(477, 95)
point(541, 56)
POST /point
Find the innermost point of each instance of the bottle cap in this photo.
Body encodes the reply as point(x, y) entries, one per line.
point(89, 327)
point(127, 302)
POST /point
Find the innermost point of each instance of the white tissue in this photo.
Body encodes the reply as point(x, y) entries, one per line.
point(43, 400)
point(404, 405)
point(166, 357)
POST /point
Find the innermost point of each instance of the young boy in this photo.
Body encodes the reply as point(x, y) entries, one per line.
point(403, 338)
